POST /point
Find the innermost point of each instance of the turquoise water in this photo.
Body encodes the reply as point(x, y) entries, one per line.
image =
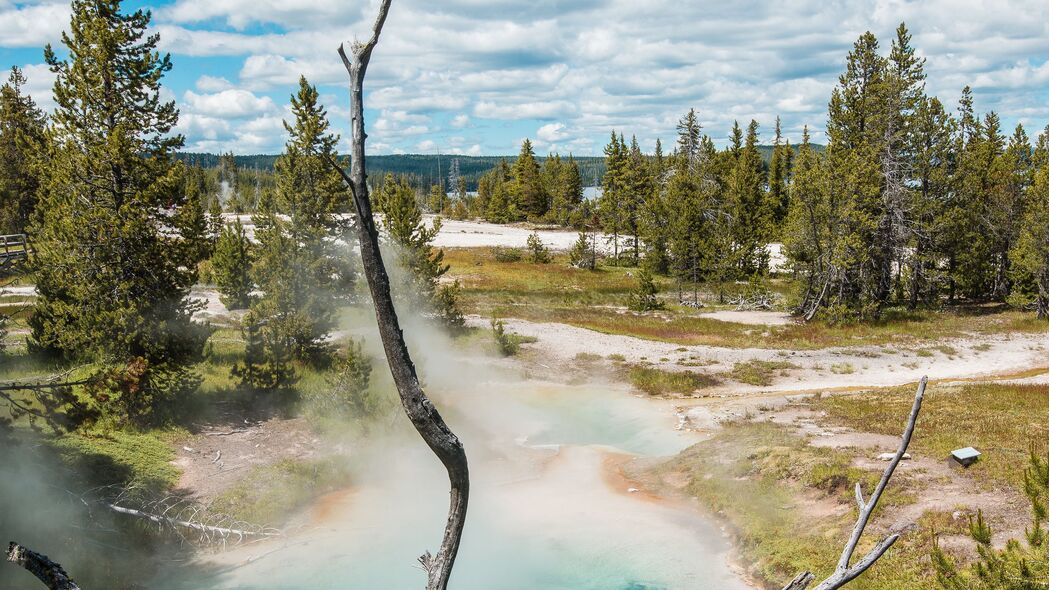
point(543, 514)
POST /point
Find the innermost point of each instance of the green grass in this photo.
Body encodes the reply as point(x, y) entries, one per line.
point(595, 300)
point(1001, 421)
point(758, 372)
point(125, 457)
point(268, 495)
point(756, 475)
point(659, 382)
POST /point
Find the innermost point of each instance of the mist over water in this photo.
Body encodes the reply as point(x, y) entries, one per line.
point(543, 514)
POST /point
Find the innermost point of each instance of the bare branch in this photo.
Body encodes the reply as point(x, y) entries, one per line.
point(844, 573)
point(47, 571)
point(418, 407)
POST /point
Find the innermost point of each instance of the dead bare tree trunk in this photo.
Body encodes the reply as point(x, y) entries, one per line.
point(420, 410)
point(47, 571)
point(844, 572)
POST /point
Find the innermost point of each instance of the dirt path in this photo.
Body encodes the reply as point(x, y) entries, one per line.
point(214, 460)
point(982, 357)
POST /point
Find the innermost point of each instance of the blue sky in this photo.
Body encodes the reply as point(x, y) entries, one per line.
point(478, 76)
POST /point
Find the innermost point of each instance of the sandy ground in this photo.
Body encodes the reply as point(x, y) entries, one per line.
point(480, 234)
point(982, 357)
point(217, 458)
point(753, 318)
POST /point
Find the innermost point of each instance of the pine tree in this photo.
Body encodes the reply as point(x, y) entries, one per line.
point(493, 195)
point(747, 209)
point(933, 132)
point(1030, 255)
point(637, 185)
point(21, 136)
point(193, 215)
point(538, 253)
point(267, 364)
point(232, 266)
point(810, 236)
point(299, 268)
point(645, 296)
point(611, 205)
point(349, 383)
point(112, 268)
point(688, 139)
point(689, 196)
point(423, 264)
point(526, 189)
point(779, 164)
point(584, 251)
point(438, 199)
point(655, 217)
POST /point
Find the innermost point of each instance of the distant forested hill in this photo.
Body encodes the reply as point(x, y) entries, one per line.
point(423, 168)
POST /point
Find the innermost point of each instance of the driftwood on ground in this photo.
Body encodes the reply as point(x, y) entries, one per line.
point(846, 571)
point(420, 410)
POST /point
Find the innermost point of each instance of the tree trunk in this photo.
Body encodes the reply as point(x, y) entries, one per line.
point(420, 410)
point(47, 571)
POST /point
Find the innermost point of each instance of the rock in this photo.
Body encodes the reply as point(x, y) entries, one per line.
point(188, 450)
point(632, 490)
point(890, 456)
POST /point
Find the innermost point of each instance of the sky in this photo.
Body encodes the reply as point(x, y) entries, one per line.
point(476, 77)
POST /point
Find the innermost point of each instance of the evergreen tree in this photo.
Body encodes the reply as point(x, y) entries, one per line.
point(111, 266)
point(689, 196)
point(933, 140)
point(655, 217)
point(584, 251)
point(811, 232)
point(747, 208)
point(637, 185)
point(299, 268)
point(193, 215)
point(267, 357)
point(526, 189)
point(424, 264)
point(232, 266)
point(1030, 255)
point(438, 199)
point(21, 136)
point(349, 389)
point(611, 205)
point(645, 296)
point(779, 164)
point(537, 250)
point(688, 139)
point(494, 201)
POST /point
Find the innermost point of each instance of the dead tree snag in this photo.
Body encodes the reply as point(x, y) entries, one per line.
point(420, 410)
point(47, 571)
point(846, 571)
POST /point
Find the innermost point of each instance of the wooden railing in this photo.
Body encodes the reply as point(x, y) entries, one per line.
point(13, 247)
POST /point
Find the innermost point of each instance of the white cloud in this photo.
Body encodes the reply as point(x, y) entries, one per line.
point(207, 83)
point(573, 71)
point(552, 132)
point(233, 103)
point(32, 24)
point(523, 110)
